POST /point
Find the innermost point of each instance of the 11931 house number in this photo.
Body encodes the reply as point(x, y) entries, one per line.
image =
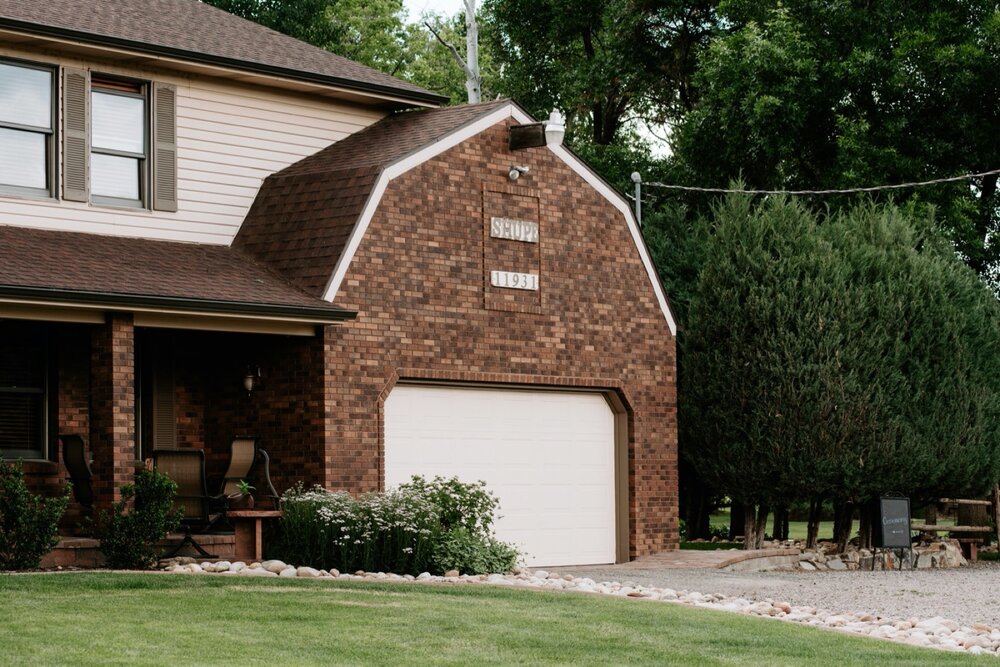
point(514, 280)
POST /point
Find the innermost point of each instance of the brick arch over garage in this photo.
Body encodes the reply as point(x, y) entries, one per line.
point(419, 279)
point(610, 389)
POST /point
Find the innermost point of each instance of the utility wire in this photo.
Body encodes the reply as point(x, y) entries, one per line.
point(876, 188)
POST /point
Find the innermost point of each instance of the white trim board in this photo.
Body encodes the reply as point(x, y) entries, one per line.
point(483, 123)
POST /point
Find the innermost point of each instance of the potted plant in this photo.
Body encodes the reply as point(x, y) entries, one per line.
point(243, 498)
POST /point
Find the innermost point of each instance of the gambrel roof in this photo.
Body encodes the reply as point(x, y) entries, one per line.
point(309, 218)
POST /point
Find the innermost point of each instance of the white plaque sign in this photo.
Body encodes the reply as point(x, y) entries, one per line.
point(515, 230)
point(514, 280)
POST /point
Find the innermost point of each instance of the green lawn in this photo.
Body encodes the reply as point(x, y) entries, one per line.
point(797, 529)
point(149, 619)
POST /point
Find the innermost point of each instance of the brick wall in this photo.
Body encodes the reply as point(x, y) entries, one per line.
point(112, 406)
point(420, 281)
point(73, 400)
point(286, 410)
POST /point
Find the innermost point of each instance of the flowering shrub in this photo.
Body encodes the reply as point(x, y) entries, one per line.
point(416, 527)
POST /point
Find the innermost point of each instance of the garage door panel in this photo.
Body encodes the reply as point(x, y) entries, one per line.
point(548, 456)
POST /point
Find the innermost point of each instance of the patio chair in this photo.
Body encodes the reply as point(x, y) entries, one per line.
point(186, 467)
point(75, 460)
point(243, 454)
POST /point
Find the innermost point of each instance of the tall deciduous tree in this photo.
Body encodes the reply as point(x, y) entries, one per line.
point(371, 32)
point(601, 62)
point(800, 94)
point(301, 19)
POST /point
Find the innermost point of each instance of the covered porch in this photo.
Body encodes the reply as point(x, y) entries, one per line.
point(145, 345)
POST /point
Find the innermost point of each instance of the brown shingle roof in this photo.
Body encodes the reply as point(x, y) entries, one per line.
point(195, 31)
point(303, 215)
point(134, 270)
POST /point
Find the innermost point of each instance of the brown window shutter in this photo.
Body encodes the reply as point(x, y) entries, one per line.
point(164, 420)
point(75, 126)
point(164, 147)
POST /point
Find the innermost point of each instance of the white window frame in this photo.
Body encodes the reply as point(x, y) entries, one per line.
point(144, 158)
point(51, 136)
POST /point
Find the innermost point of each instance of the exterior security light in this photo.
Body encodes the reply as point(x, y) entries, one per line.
point(532, 135)
point(555, 129)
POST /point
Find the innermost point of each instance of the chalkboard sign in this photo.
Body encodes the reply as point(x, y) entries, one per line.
point(891, 523)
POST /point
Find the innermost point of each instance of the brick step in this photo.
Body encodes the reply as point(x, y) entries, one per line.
point(85, 552)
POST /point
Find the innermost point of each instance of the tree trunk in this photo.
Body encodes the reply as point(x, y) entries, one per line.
point(996, 510)
point(761, 526)
point(737, 520)
point(780, 529)
point(812, 524)
point(749, 527)
point(695, 504)
point(697, 516)
point(473, 85)
point(865, 528)
point(754, 524)
point(843, 521)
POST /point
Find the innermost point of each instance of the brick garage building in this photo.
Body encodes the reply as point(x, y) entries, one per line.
point(412, 308)
point(510, 330)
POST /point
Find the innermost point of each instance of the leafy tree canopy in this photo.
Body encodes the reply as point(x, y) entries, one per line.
point(802, 94)
point(302, 19)
point(602, 62)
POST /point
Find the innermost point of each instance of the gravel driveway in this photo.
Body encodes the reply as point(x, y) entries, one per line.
point(967, 595)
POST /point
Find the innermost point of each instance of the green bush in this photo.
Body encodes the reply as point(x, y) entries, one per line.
point(138, 521)
point(419, 526)
point(29, 524)
point(458, 549)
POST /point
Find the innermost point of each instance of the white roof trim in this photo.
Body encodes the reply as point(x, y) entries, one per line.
point(467, 132)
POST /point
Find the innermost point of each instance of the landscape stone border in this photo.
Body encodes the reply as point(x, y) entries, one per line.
point(935, 632)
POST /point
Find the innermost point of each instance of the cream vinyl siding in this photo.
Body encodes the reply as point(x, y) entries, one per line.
point(229, 138)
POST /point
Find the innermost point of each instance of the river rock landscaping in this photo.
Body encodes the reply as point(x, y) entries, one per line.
point(933, 632)
point(927, 555)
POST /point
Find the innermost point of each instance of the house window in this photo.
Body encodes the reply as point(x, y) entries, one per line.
point(26, 129)
point(119, 145)
point(23, 393)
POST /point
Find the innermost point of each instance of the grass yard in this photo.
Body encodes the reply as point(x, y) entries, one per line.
point(149, 619)
point(797, 529)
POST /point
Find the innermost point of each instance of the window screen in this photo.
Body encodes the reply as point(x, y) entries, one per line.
point(22, 393)
point(26, 114)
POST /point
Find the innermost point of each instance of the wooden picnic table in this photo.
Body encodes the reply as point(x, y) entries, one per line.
point(970, 545)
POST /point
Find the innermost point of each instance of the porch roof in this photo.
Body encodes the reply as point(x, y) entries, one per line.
point(88, 271)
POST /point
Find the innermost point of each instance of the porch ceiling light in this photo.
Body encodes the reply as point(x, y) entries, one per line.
point(531, 135)
point(251, 380)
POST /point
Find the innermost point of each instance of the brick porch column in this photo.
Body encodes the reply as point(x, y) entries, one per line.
point(112, 406)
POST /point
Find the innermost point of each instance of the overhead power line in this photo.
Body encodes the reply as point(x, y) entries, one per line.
point(846, 191)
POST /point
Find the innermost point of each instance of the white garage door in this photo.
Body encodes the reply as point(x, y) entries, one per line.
point(548, 456)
